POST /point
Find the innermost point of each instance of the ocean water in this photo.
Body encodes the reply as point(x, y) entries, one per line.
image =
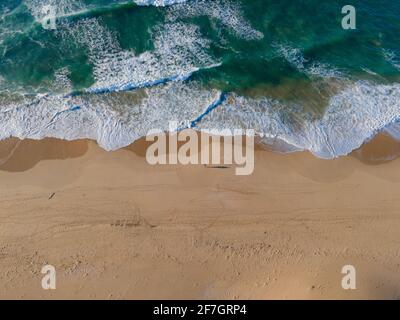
point(114, 69)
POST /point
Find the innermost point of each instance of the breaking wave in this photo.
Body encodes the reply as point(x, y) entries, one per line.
point(352, 116)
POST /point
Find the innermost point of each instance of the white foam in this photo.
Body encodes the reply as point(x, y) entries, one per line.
point(157, 3)
point(228, 13)
point(68, 8)
point(113, 120)
point(62, 7)
point(352, 117)
point(393, 130)
point(179, 50)
point(391, 57)
point(314, 69)
point(356, 115)
point(62, 82)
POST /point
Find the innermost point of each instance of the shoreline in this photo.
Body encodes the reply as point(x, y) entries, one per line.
point(381, 149)
point(115, 227)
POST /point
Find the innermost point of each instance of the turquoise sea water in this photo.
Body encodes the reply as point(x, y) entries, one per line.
point(112, 70)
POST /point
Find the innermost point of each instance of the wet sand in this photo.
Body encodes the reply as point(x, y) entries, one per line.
point(115, 227)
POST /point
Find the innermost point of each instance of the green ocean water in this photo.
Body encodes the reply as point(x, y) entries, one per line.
point(32, 55)
point(271, 52)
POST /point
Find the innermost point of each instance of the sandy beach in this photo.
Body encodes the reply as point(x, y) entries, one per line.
point(115, 227)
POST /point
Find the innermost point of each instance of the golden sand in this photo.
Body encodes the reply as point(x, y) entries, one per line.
point(115, 227)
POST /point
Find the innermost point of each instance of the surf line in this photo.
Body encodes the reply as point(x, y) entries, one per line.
point(128, 86)
point(214, 105)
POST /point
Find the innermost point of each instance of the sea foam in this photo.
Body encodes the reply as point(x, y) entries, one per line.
point(179, 50)
point(115, 120)
point(352, 117)
point(157, 2)
point(228, 13)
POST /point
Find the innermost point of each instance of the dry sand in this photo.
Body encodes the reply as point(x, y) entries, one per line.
point(115, 227)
